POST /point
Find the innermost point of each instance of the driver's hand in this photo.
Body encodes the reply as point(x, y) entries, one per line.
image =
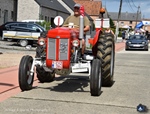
point(75, 29)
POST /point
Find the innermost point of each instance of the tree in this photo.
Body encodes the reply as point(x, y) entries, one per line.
point(112, 25)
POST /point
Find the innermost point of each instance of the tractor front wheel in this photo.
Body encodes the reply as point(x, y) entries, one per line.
point(95, 78)
point(25, 77)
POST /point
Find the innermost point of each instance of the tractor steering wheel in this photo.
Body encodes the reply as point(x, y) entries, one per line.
point(71, 26)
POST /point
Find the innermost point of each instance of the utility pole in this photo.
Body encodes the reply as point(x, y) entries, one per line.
point(117, 24)
point(137, 15)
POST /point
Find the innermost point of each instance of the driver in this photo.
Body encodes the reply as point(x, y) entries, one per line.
point(75, 20)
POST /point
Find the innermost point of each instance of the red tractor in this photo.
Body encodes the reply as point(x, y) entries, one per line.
point(59, 52)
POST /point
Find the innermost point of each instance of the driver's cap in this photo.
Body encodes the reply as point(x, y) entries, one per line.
point(77, 6)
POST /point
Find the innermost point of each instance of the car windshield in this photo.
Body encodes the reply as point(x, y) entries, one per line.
point(137, 37)
point(41, 27)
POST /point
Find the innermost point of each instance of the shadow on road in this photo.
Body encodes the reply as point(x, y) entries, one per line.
point(70, 84)
point(6, 84)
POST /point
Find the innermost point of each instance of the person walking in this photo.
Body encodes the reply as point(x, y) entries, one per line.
point(108, 30)
point(123, 36)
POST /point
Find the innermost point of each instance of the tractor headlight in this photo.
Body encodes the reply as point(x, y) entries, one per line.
point(75, 43)
point(41, 41)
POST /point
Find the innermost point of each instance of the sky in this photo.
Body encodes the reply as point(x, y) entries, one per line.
point(130, 6)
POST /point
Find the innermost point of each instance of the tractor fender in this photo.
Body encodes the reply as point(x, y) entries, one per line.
point(94, 40)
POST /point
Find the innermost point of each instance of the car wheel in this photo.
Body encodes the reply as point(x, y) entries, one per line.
point(23, 43)
point(9, 40)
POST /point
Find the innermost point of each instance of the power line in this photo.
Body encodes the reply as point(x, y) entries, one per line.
point(134, 4)
point(117, 24)
point(128, 3)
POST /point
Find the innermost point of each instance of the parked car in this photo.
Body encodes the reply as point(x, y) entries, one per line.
point(22, 32)
point(136, 42)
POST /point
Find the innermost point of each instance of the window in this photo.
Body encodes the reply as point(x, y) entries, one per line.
point(130, 22)
point(12, 14)
point(45, 18)
point(0, 13)
point(48, 19)
point(42, 17)
point(22, 25)
point(11, 26)
point(33, 27)
point(122, 23)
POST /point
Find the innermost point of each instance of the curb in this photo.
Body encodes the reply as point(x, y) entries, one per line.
point(7, 46)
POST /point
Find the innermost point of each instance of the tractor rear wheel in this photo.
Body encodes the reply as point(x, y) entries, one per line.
point(25, 78)
point(106, 53)
point(95, 78)
point(44, 76)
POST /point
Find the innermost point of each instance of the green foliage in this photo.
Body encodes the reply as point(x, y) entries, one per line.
point(112, 25)
point(45, 24)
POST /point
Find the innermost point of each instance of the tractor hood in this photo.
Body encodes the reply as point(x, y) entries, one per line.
point(60, 32)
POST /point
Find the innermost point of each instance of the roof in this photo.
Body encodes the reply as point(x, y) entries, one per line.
point(52, 4)
point(71, 3)
point(125, 16)
point(91, 7)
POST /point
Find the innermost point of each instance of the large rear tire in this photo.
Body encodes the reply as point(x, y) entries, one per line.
point(25, 79)
point(95, 78)
point(106, 53)
point(44, 76)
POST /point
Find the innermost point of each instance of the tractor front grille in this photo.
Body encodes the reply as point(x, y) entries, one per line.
point(51, 48)
point(62, 49)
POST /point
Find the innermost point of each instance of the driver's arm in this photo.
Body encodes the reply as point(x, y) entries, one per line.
point(66, 21)
point(86, 28)
point(86, 24)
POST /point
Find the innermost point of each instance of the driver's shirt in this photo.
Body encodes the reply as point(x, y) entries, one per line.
point(76, 20)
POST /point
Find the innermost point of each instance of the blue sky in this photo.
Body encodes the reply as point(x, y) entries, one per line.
point(129, 6)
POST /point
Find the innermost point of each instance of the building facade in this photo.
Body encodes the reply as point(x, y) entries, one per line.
point(126, 19)
point(92, 7)
point(7, 10)
point(40, 10)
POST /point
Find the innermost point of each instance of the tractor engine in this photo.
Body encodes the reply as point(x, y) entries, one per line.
point(59, 49)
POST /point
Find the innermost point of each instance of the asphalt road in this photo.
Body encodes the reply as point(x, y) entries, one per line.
point(71, 94)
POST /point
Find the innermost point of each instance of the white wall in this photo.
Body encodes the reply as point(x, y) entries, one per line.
point(27, 9)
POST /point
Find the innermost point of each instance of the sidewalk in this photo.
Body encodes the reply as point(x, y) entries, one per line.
point(119, 46)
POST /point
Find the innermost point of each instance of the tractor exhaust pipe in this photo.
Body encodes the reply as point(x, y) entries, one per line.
point(81, 29)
